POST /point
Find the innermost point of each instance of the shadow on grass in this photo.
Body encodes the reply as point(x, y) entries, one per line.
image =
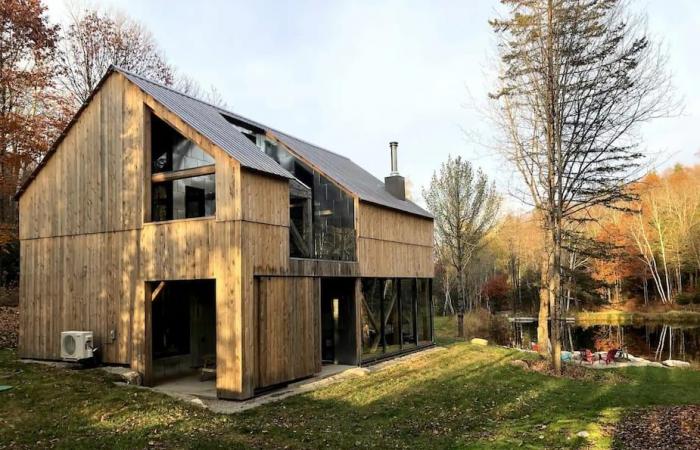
point(465, 396)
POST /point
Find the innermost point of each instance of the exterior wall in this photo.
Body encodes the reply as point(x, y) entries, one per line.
point(264, 203)
point(79, 227)
point(288, 342)
point(393, 244)
point(95, 186)
point(87, 253)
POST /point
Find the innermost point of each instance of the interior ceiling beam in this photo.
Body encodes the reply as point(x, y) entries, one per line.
point(157, 291)
point(185, 173)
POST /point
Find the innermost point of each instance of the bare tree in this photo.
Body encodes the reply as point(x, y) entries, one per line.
point(578, 77)
point(465, 205)
point(191, 87)
point(94, 40)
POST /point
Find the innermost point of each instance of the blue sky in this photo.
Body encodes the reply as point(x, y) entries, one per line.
point(352, 76)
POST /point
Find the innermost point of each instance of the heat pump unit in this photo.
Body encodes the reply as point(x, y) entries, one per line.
point(76, 345)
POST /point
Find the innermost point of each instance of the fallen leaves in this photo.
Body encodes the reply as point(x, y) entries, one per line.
point(9, 326)
point(662, 427)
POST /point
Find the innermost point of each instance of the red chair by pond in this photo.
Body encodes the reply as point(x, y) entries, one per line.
point(610, 356)
point(587, 356)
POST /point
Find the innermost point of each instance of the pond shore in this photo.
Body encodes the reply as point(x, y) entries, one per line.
point(624, 317)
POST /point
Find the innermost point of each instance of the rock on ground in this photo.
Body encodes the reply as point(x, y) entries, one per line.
point(662, 427)
point(9, 326)
point(675, 363)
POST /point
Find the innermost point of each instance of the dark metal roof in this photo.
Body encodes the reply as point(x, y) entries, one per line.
point(348, 174)
point(209, 120)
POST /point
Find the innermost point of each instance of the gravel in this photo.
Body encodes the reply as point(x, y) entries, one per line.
point(9, 326)
point(663, 427)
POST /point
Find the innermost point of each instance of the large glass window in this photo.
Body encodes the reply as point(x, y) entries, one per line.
point(171, 151)
point(333, 211)
point(408, 313)
point(371, 317)
point(184, 198)
point(334, 221)
point(396, 315)
point(424, 320)
point(183, 181)
point(392, 318)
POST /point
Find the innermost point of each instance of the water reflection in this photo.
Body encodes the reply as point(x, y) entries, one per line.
point(655, 341)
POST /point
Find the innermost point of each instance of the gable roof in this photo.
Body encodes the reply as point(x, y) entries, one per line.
point(209, 120)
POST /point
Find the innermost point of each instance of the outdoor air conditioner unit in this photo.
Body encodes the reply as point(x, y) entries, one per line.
point(76, 345)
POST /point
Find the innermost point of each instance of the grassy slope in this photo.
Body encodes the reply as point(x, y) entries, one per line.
point(466, 396)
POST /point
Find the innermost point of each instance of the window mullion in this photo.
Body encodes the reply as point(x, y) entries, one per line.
point(184, 173)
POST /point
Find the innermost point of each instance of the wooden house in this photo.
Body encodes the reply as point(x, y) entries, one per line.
point(182, 234)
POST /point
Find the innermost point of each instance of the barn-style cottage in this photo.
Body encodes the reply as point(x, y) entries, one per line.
point(182, 234)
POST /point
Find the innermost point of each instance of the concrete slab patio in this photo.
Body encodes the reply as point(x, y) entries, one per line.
point(203, 394)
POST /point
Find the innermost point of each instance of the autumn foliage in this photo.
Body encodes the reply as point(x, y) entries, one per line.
point(32, 110)
point(46, 73)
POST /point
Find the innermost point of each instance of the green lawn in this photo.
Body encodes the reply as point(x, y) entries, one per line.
point(466, 396)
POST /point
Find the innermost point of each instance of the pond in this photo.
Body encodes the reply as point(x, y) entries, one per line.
point(656, 341)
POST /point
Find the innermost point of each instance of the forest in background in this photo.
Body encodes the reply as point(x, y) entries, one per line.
point(648, 254)
point(647, 250)
point(47, 72)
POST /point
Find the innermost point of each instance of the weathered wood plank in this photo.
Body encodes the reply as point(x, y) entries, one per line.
point(288, 347)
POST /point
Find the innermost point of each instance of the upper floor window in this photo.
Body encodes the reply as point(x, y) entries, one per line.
point(331, 224)
point(183, 181)
point(321, 214)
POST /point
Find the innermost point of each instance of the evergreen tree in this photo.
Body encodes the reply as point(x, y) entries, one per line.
point(578, 77)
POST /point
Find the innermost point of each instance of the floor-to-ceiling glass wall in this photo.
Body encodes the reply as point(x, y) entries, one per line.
point(424, 319)
point(408, 312)
point(371, 304)
point(396, 315)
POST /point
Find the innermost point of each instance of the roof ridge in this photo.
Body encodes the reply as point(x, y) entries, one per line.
point(170, 88)
point(366, 188)
point(220, 109)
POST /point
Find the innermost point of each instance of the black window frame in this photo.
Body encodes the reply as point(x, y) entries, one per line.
point(165, 177)
point(404, 346)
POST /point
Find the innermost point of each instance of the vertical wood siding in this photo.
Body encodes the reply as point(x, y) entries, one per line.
point(288, 346)
point(393, 244)
point(88, 254)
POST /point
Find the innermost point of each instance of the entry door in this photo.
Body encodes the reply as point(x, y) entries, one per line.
point(330, 312)
point(338, 341)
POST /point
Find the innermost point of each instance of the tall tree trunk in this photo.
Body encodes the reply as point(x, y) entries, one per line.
point(461, 304)
point(543, 317)
point(555, 301)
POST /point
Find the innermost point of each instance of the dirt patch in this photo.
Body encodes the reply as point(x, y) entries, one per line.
point(9, 326)
point(9, 296)
point(662, 427)
point(572, 371)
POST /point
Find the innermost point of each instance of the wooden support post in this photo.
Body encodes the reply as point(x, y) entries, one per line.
point(318, 363)
point(359, 299)
point(141, 338)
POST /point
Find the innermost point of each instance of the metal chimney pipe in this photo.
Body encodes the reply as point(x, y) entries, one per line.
point(393, 146)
